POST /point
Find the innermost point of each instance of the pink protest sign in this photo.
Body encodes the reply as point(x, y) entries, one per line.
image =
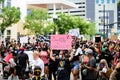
point(61, 42)
point(8, 57)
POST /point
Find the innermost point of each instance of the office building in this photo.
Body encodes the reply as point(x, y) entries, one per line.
point(106, 15)
point(15, 30)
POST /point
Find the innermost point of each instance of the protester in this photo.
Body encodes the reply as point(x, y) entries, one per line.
point(23, 61)
point(63, 62)
point(90, 66)
point(38, 62)
point(53, 66)
point(75, 70)
point(103, 70)
point(87, 55)
point(13, 75)
point(44, 55)
point(115, 75)
point(37, 74)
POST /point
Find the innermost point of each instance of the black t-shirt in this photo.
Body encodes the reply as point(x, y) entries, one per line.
point(63, 69)
point(23, 59)
point(63, 63)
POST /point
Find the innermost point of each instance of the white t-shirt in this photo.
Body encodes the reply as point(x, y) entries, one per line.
point(79, 51)
point(104, 70)
point(40, 63)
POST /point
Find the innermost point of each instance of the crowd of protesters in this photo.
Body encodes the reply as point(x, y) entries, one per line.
point(87, 60)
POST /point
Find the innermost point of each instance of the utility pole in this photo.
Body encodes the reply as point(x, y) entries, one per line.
point(104, 19)
point(107, 24)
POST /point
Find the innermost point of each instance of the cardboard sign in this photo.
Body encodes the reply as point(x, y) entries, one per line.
point(24, 40)
point(61, 42)
point(8, 57)
point(74, 32)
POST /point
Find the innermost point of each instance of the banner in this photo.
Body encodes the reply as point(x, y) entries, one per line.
point(74, 32)
point(61, 42)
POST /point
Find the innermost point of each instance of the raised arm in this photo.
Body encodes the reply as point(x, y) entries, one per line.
point(71, 55)
point(51, 55)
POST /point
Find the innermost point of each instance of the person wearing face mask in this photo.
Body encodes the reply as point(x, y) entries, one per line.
point(63, 72)
point(103, 70)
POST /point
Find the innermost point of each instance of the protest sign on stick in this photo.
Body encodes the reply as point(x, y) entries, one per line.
point(74, 32)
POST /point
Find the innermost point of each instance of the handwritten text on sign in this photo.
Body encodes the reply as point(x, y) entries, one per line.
point(61, 42)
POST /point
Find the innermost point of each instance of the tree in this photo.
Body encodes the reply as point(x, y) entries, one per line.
point(8, 17)
point(118, 3)
point(1, 1)
point(86, 27)
point(35, 21)
point(66, 22)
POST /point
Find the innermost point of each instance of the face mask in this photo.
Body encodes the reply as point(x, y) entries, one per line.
point(102, 65)
point(60, 56)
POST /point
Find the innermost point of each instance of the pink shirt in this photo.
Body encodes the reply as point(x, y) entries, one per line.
point(44, 56)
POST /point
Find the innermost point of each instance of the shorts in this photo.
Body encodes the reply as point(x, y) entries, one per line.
point(76, 65)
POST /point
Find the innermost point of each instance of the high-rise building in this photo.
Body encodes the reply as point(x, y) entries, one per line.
point(118, 14)
point(80, 11)
point(102, 12)
point(14, 31)
point(106, 15)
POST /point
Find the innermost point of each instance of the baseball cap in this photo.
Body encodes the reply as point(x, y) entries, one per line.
point(89, 51)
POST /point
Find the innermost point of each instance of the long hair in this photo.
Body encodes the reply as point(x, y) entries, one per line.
point(105, 62)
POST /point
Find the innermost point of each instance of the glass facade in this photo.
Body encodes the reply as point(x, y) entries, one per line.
point(97, 1)
point(102, 1)
point(108, 1)
point(113, 1)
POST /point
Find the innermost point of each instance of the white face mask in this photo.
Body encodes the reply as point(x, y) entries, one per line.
point(60, 56)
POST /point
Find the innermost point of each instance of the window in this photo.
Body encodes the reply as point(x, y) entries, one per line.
point(82, 15)
point(113, 1)
point(3, 4)
point(8, 32)
point(8, 35)
point(102, 1)
point(9, 3)
point(8, 38)
point(82, 7)
point(108, 1)
point(97, 1)
point(28, 11)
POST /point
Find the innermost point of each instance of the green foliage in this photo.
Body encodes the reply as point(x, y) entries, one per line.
point(50, 28)
point(35, 21)
point(1, 1)
point(66, 22)
point(118, 3)
point(8, 17)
